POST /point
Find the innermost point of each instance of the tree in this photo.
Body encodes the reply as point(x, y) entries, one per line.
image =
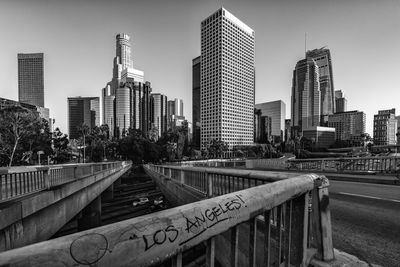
point(17, 127)
point(84, 131)
point(216, 148)
point(60, 146)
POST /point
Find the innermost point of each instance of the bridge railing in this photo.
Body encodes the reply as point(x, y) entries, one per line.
point(282, 223)
point(389, 165)
point(19, 181)
point(212, 182)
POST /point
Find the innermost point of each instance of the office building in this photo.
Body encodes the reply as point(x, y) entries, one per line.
point(158, 106)
point(82, 110)
point(132, 107)
point(175, 113)
point(30, 79)
point(322, 137)
point(385, 127)
point(276, 110)
point(348, 125)
point(108, 98)
point(227, 81)
point(306, 95)
point(196, 66)
point(340, 101)
point(288, 129)
point(322, 58)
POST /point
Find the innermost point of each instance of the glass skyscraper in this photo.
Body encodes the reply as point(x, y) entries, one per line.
point(227, 81)
point(30, 79)
point(82, 110)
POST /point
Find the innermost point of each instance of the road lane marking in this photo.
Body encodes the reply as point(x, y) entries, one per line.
point(357, 195)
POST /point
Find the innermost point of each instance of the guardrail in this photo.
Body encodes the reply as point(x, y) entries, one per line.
point(389, 165)
point(285, 221)
point(19, 181)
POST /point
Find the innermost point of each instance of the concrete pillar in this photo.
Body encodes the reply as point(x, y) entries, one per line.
point(90, 215)
point(108, 194)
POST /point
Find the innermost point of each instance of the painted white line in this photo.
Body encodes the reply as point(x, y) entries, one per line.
point(357, 195)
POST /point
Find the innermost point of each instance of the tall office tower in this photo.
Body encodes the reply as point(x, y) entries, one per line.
point(257, 125)
point(82, 110)
point(348, 125)
point(158, 104)
point(322, 58)
point(123, 58)
point(288, 129)
point(340, 101)
point(132, 108)
point(30, 79)
point(276, 110)
point(196, 63)
point(108, 108)
point(227, 80)
point(385, 127)
point(306, 96)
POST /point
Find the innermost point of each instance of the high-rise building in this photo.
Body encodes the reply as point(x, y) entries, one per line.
point(227, 82)
point(385, 127)
point(175, 113)
point(132, 106)
point(108, 97)
point(288, 129)
point(306, 95)
point(348, 125)
point(340, 101)
point(82, 110)
point(196, 63)
point(276, 110)
point(322, 58)
point(30, 79)
point(126, 99)
point(158, 103)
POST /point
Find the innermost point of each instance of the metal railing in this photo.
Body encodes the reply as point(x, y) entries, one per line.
point(19, 181)
point(388, 165)
point(282, 223)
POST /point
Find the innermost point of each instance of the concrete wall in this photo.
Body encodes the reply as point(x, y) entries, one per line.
point(37, 217)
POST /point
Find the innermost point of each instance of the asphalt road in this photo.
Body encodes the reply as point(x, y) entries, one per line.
point(366, 221)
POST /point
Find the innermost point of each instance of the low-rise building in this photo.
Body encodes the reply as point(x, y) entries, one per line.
point(322, 137)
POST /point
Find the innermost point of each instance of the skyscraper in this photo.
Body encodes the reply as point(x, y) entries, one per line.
point(227, 82)
point(306, 96)
point(158, 104)
point(108, 97)
point(340, 101)
point(196, 63)
point(30, 79)
point(322, 58)
point(82, 110)
point(276, 110)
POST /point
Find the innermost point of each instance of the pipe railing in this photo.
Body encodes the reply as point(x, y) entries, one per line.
point(274, 222)
point(20, 181)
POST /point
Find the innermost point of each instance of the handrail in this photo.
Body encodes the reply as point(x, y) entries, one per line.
point(153, 238)
point(16, 182)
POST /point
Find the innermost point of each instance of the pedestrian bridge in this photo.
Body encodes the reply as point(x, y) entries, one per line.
point(36, 201)
point(233, 217)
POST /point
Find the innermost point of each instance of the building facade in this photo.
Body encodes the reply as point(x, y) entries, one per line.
point(322, 58)
point(348, 125)
point(385, 127)
point(82, 110)
point(158, 103)
point(175, 113)
point(227, 81)
point(306, 96)
point(322, 137)
point(196, 67)
point(340, 101)
point(276, 110)
point(31, 79)
point(43, 113)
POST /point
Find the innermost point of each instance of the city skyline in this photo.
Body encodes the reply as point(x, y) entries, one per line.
point(361, 43)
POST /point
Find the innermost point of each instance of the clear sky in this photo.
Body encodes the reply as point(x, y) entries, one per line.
point(77, 38)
